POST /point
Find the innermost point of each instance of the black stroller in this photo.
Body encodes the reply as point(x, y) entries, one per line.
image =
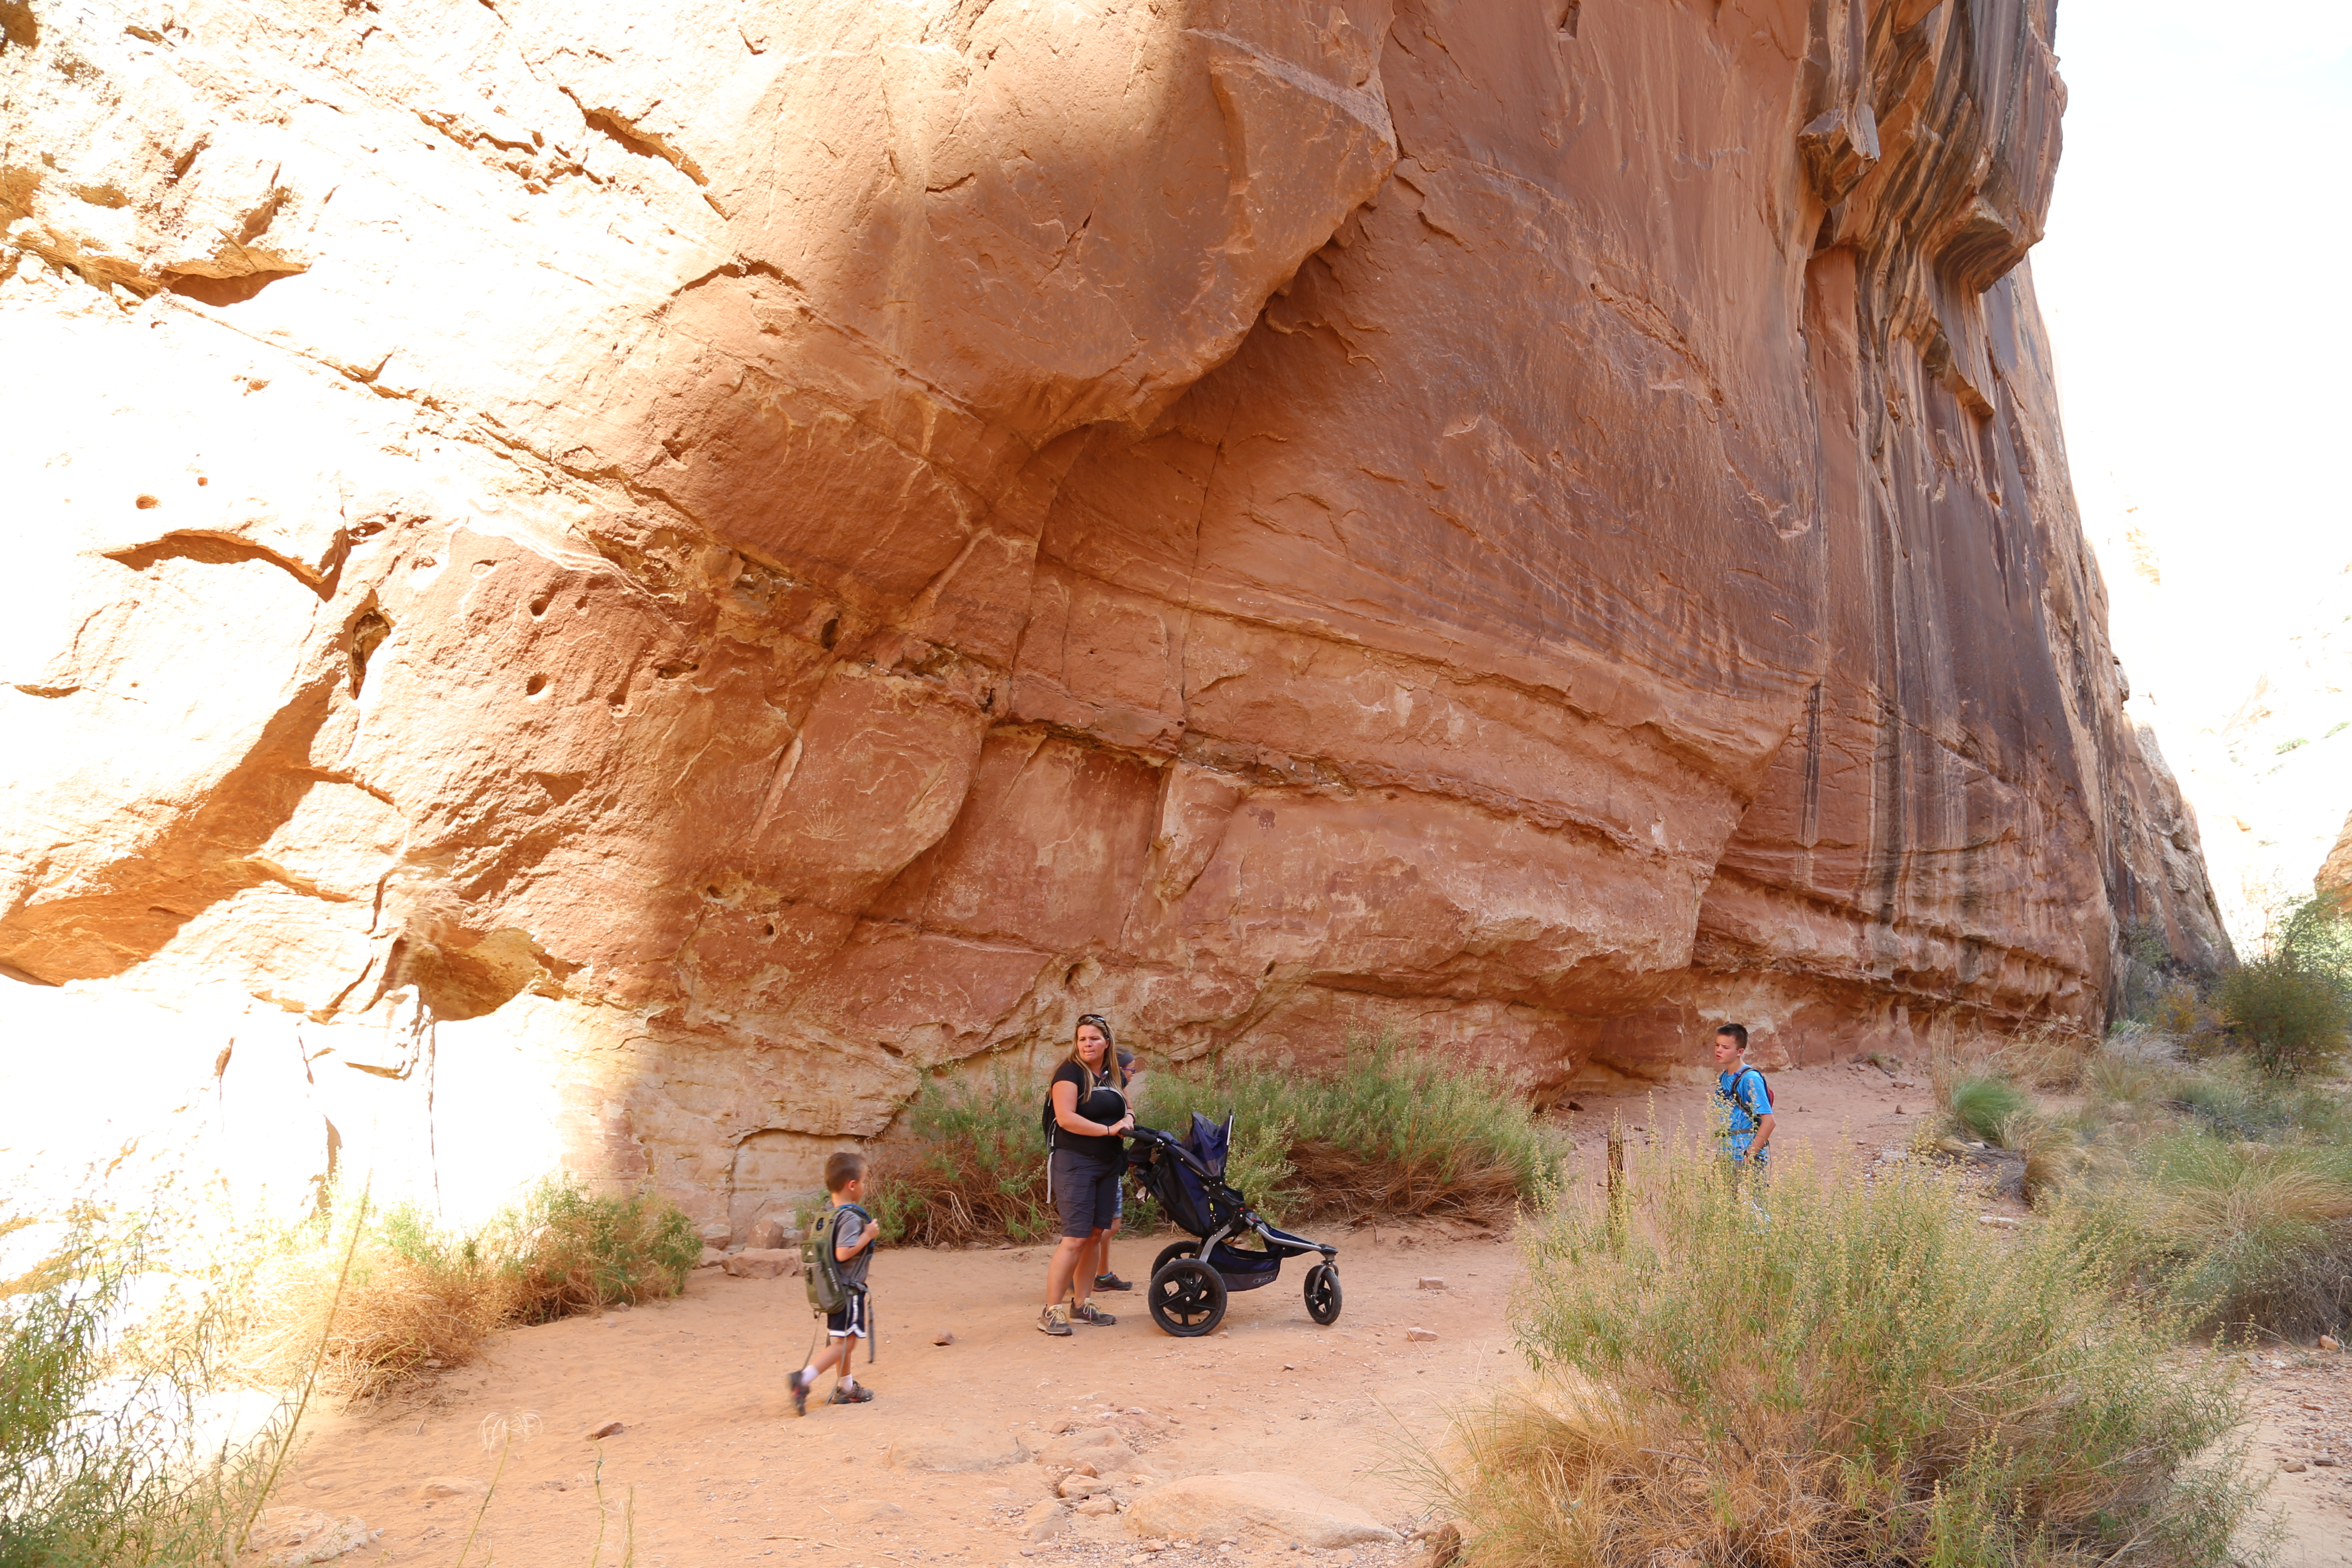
point(1190, 1279)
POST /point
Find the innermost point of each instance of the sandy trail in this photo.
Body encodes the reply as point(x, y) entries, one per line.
point(711, 1467)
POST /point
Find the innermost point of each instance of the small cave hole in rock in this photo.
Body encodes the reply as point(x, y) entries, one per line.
point(534, 685)
point(149, 503)
point(771, 928)
point(677, 668)
point(368, 630)
point(824, 638)
point(539, 605)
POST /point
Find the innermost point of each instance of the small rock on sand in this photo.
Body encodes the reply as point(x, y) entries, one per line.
point(712, 1257)
point(955, 1445)
point(1418, 1334)
point(297, 1537)
point(609, 1429)
point(943, 1338)
point(1429, 1282)
point(1044, 1520)
point(867, 1510)
point(1096, 1505)
point(1221, 1506)
point(763, 1263)
point(452, 1486)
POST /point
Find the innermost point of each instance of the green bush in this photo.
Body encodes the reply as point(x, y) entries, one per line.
point(1838, 1372)
point(101, 1461)
point(1390, 1130)
point(2292, 1004)
point(976, 1168)
point(1986, 1106)
point(2293, 1019)
point(570, 1250)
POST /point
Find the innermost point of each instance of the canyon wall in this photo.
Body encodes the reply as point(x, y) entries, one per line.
point(637, 583)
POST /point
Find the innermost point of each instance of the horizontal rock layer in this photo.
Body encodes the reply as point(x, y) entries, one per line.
point(745, 555)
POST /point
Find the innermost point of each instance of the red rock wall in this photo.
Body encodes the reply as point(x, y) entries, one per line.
point(773, 549)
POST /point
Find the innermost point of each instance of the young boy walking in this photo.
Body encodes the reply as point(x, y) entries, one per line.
point(853, 1233)
point(1743, 1088)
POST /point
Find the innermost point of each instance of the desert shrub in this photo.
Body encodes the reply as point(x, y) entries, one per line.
point(416, 1297)
point(2292, 1018)
point(2181, 1014)
point(1985, 1105)
point(2245, 1237)
point(409, 1302)
point(1390, 1130)
point(103, 1458)
point(567, 1250)
point(1854, 1371)
point(976, 1168)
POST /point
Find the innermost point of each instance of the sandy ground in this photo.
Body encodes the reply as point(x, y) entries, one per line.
point(710, 1467)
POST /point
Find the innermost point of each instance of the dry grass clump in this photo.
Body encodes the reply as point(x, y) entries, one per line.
point(419, 1297)
point(1849, 1372)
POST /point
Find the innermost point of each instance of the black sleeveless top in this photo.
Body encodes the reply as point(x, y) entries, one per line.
point(1105, 1105)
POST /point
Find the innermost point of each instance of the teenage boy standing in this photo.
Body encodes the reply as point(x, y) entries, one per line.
point(1741, 1087)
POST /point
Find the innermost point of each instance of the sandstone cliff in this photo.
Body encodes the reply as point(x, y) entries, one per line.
point(732, 556)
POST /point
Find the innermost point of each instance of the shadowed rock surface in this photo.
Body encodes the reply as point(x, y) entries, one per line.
point(727, 559)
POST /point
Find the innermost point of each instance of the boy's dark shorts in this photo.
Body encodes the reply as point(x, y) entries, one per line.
point(1085, 1192)
point(850, 1321)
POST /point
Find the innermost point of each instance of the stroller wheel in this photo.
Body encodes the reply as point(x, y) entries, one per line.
point(1173, 1251)
point(1187, 1298)
point(1323, 1294)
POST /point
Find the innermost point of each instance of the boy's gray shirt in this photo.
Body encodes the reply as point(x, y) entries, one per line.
point(849, 1230)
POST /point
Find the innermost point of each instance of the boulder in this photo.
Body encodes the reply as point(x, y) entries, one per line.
point(954, 1446)
point(769, 1234)
point(762, 1263)
point(1218, 1506)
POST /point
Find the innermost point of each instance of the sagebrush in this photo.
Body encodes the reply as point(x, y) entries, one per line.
point(1838, 1373)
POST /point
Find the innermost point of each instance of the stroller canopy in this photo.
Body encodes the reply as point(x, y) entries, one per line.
point(1208, 1142)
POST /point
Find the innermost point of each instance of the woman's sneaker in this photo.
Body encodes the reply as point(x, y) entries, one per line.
point(799, 1395)
point(1112, 1282)
point(1087, 1312)
point(1054, 1320)
point(859, 1394)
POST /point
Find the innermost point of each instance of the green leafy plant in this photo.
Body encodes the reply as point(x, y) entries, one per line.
point(2292, 1004)
point(103, 1458)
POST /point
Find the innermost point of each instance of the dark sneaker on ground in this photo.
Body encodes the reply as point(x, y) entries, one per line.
point(1054, 1320)
point(799, 1395)
point(857, 1395)
point(1111, 1282)
point(1090, 1313)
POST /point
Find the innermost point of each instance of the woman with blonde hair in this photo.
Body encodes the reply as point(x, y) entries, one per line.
point(1086, 1102)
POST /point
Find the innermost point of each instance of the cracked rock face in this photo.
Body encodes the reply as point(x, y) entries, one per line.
point(727, 559)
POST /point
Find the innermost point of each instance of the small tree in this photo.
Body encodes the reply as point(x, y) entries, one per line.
point(2293, 1004)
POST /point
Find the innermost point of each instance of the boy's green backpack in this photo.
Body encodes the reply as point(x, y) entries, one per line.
point(820, 1263)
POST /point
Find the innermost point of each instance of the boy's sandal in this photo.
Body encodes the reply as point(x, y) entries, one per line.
point(1090, 1313)
point(799, 1395)
point(857, 1395)
point(1112, 1282)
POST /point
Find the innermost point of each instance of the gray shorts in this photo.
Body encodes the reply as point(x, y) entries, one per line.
point(1086, 1191)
